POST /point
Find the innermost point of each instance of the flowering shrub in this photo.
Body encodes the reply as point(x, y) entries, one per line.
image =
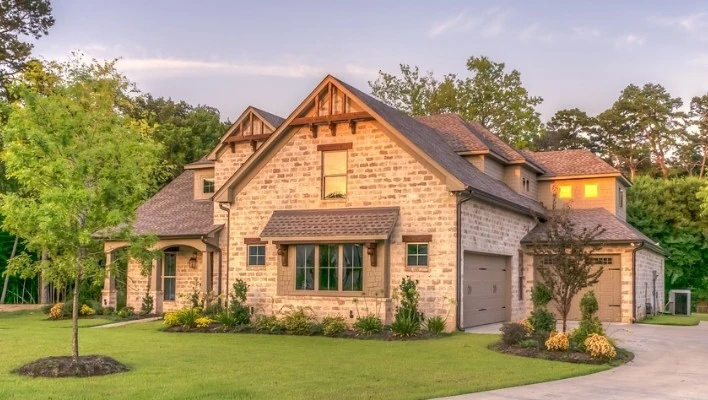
point(599, 346)
point(527, 325)
point(558, 341)
point(203, 322)
point(87, 311)
point(333, 326)
point(171, 319)
point(57, 311)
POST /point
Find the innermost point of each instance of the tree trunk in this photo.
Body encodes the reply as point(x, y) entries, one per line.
point(75, 321)
point(703, 162)
point(7, 275)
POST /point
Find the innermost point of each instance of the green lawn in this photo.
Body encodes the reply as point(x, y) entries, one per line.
point(248, 366)
point(679, 320)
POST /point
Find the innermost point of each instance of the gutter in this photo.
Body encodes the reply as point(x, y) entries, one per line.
point(634, 280)
point(228, 247)
point(458, 319)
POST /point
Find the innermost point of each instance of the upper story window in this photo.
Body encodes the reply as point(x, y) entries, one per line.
point(591, 191)
point(565, 192)
point(334, 174)
point(208, 185)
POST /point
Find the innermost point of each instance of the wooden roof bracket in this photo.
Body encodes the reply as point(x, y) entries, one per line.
point(352, 126)
point(333, 128)
point(233, 147)
point(313, 130)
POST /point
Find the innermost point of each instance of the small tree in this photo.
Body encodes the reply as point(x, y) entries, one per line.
point(81, 168)
point(564, 257)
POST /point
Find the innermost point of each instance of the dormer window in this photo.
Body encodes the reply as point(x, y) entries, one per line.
point(208, 185)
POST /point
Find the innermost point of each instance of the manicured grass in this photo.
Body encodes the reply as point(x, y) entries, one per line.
point(250, 366)
point(678, 320)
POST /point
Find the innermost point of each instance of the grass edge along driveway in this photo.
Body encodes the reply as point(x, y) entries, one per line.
point(249, 366)
point(676, 320)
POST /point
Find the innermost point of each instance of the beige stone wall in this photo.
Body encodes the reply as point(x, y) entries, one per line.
point(607, 189)
point(380, 173)
point(649, 262)
point(493, 230)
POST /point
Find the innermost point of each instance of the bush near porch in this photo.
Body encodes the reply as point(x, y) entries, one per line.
point(197, 366)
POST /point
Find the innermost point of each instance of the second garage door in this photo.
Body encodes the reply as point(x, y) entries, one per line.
point(607, 291)
point(486, 281)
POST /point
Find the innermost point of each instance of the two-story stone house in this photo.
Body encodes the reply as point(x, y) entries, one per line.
point(331, 207)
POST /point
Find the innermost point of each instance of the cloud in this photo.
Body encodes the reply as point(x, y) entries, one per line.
point(690, 22)
point(586, 32)
point(194, 67)
point(358, 70)
point(536, 33)
point(629, 40)
point(489, 23)
point(445, 25)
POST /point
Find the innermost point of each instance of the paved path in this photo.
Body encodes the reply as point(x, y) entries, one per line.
point(671, 362)
point(132, 321)
point(19, 307)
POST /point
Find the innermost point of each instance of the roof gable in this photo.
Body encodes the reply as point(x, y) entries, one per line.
point(252, 124)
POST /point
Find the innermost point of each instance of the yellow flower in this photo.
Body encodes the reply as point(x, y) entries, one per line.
point(599, 346)
point(558, 341)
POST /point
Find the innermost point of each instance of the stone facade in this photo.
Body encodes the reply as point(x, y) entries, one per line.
point(649, 264)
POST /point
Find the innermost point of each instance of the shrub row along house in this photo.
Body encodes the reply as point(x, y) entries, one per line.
point(347, 196)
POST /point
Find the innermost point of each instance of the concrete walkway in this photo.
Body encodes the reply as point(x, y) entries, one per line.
point(132, 321)
point(670, 363)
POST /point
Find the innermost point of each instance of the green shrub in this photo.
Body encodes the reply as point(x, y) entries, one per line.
point(237, 305)
point(528, 344)
point(86, 311)
point(333, 326)
point(147, 305)
point(188, 316)
point(299, 322)
point(126, 312)
point(436, 324)
point(214, 309)
point(407, 319)
point(268, 323)
point(46, 308)
point(513, 333)
point(368, 325)
point(108, 311)
point(589, 323)
point(541, 295)
point(542, 320)
point(226, 319)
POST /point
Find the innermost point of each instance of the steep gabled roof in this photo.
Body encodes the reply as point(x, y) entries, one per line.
point(174, 212)
point(273, 121)
point(616, 230)
point(571, 163)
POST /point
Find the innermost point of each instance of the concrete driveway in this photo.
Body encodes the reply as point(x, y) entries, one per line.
point(670, 362)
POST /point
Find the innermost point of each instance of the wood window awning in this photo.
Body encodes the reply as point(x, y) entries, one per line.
point(330, 225)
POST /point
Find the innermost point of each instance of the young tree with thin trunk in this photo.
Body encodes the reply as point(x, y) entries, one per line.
point(80, 166)
point(564, 257)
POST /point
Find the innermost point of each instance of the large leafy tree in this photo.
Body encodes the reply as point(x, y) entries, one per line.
point(697, 138)
point(620, 142)
point(565, 257)
point(80, 166)
point(669, 212)
point(568, 129)
point(492, 96)
point(19, 20)
point(186, 132)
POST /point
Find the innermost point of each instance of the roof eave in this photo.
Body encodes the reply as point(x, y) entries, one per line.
point(500, 202)
point(580, 176)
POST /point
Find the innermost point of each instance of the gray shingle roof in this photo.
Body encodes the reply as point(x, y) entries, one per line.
point(354, 222)
point(174, 212)
point(571, 162)
point(431, 142)
point(270, 118)
point(616, 230)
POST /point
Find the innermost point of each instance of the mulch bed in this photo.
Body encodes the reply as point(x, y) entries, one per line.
point(623, 356)
point(386, 335)
point(60, 367)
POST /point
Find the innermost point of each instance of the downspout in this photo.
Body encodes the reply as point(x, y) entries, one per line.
point(228, 247)
point(458, 321)
point(634, 281)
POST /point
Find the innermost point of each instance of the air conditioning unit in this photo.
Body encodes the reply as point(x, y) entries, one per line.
point(680, 302)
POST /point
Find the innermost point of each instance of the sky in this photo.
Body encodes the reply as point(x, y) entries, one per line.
point(271, 54)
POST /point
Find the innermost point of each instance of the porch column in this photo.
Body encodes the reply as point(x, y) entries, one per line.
point(156, 286)
point(109, 294)
point(206, 275)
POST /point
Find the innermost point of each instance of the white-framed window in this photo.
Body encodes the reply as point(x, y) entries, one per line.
point(169, 276)
point(256, 255)
point(208, 185)
point(417, 254)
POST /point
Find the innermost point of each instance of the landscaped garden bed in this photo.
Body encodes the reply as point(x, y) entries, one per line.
point(61, 367)
point(408, 324)
point(537, 336)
